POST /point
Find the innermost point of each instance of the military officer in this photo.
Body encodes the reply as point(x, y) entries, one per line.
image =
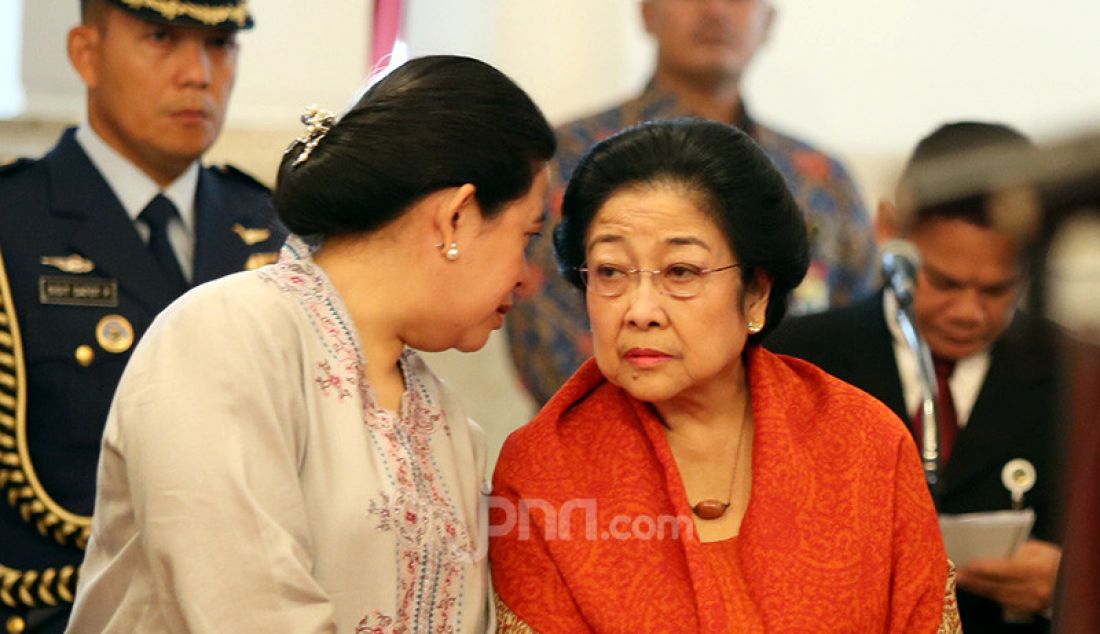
point(96, 238)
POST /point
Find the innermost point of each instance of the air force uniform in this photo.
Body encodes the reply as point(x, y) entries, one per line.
point(80, 284)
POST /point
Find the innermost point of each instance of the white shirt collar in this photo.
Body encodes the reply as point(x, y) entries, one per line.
point(132, 186)
point(965, 382)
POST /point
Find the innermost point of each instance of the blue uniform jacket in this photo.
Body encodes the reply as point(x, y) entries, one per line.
point(64, 342)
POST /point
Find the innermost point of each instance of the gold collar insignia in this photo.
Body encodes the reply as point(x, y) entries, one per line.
point(251, 236)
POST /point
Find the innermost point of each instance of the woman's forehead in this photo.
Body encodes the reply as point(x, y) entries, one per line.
point(662, 216)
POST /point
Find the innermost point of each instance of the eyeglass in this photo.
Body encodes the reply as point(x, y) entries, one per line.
point(676, 280)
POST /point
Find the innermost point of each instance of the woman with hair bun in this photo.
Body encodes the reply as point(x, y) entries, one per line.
point(277, 457)
point(721, 488)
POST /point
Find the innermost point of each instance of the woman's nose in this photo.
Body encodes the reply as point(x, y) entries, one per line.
point(645, 303)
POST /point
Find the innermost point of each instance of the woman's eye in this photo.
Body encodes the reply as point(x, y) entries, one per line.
point(682, 272)
point(608, 272)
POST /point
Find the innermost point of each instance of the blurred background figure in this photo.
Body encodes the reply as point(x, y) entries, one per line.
point(98, 236)
point(704, 48)
point(1053, 205)
point(998, 376)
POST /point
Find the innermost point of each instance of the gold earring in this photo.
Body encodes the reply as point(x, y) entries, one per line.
point(755, 327)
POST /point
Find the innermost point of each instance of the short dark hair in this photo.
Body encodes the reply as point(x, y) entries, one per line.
point(435, 122)
point(740, 187)
point(954, 141)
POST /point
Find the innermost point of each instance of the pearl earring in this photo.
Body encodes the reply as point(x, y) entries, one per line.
point(452, 252)
point(755, 327)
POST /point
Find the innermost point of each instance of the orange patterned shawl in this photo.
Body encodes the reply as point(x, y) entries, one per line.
point(840, 534)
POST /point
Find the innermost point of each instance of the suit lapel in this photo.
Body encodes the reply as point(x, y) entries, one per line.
point(101, 229)
point(997, 421)
point(870, 357)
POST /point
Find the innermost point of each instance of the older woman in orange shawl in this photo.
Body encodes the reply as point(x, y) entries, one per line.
point(686, 479)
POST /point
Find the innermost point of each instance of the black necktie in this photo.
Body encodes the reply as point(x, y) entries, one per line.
point(157, 215)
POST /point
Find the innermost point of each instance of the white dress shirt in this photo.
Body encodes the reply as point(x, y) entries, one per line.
point(134, 189)
point(965, 382)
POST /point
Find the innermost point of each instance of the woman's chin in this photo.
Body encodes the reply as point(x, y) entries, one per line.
point(649, 389)
point(472, 342)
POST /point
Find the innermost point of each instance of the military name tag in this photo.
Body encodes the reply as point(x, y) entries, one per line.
point(71, 290)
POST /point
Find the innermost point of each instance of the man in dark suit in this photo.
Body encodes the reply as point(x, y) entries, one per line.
point(97, 237)
point(995, 369)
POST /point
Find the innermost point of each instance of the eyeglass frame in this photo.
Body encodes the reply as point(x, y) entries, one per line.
point(635, 273)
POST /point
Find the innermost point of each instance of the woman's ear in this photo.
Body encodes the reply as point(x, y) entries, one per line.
point(757, 295)
point(456, 214)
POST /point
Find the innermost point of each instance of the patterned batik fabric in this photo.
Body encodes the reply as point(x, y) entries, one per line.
point(548, 327)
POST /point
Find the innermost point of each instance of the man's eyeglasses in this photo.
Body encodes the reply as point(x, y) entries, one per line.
point(676, 280)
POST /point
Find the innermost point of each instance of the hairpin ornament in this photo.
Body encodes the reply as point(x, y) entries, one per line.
point(318, 123)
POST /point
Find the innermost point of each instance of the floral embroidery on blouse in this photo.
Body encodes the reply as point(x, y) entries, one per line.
point(374, 623)
point(331, 382)
point(435, 546)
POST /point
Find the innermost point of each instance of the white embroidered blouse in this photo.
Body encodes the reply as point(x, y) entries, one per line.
point(249, 482)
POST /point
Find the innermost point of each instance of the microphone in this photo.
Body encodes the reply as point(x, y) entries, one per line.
point(900, 260)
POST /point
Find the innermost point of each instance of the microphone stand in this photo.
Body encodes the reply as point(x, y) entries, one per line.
point(930, 416)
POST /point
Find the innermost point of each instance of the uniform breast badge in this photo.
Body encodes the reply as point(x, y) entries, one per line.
point(73, 263)
point(114, 334)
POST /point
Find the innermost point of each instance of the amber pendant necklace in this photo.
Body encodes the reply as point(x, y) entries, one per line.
point(710, 508)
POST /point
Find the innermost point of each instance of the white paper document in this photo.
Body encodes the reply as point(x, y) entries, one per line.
point(982, 535)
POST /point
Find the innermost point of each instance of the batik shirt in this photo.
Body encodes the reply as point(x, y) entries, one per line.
point(548, 327)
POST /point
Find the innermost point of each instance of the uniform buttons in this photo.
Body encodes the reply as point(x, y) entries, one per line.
point(16, 625)
point(84, 355)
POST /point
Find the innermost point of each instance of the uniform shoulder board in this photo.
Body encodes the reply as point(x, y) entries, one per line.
point(12, 166)
point(241, 176)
